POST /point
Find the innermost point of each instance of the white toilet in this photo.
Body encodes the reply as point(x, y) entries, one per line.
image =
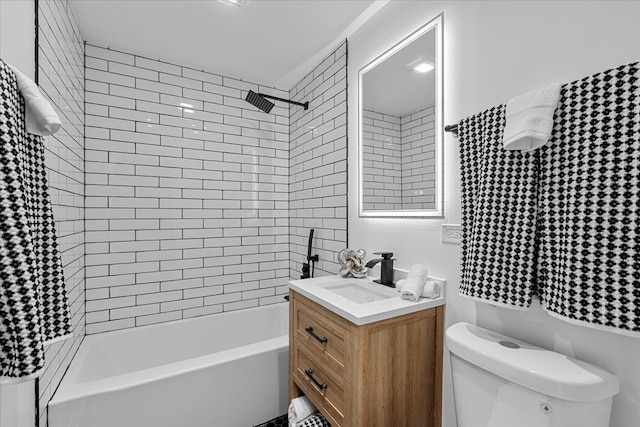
point(503, 382)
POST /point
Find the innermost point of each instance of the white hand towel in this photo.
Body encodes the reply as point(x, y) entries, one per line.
point(40, 117)
point(431, 289)
point(419, 270)
point(412, 290)
point(529, 118)
point(412, 287)
point(299, 409)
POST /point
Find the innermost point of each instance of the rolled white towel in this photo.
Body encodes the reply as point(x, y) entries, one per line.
point(40, 117)
point(431, 289)
point(412, 288)
point(419, 270)
point(299, 409)
point(529, 118)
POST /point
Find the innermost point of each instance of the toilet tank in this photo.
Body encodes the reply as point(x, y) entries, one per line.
point(499, 381)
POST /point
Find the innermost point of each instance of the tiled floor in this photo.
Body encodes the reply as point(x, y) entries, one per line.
point(281, 421)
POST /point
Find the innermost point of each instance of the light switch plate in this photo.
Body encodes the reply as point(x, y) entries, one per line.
point(452, 233)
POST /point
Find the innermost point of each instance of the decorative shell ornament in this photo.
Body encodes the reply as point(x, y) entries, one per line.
point(352, 263)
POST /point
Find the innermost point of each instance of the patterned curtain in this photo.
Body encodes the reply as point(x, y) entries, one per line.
point(33, 301)
point(561, 222)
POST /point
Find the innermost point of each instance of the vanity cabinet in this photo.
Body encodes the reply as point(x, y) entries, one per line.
point(381, 374)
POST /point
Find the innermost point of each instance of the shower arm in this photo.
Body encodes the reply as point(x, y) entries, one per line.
point(302, 104)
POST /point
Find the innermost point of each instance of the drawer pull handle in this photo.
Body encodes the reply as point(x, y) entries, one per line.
point(321, 386)
point(309, 329)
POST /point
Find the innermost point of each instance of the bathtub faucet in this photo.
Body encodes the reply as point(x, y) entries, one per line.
point(386, 268)
point(309, 267)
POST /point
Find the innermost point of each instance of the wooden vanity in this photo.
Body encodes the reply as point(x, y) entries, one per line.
point(386, 373)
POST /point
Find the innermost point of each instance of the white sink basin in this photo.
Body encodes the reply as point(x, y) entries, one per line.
point(357, 293)
point(360, 301)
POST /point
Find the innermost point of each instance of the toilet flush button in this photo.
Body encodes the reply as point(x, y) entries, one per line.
point(508, 344)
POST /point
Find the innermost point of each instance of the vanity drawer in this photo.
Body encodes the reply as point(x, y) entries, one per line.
point(315, 328)
point(325, 388)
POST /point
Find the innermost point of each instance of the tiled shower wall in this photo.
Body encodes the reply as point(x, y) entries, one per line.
point(187, 193)
point(381, 161)
point(419, 159)
point(61, 79)
point(318, 161)
point(399, 160)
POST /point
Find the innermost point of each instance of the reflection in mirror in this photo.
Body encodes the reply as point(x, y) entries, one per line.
point(400, 128)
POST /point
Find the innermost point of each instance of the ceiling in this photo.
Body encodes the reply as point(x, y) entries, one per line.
point(391, 87)
point(270, 42)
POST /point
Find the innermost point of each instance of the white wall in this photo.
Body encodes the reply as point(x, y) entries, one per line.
point(17, 408)
point(18, 35)
point(493, 51)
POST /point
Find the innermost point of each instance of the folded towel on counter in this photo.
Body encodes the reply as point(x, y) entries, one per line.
point(430, 290)
point(529, 118)
point(411, 288)
point(314, 420)
point(40, 117)
point(300, 408)
point(418, 270)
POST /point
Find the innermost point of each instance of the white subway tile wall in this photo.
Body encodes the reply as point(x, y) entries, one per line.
point(399, 160)
point(187, 193)
point(419, 159)
point(318, 161)
point(61, 79)
point(381, 161)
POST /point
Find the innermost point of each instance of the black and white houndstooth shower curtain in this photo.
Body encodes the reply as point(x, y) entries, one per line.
point(563, 221)
point(33, 301)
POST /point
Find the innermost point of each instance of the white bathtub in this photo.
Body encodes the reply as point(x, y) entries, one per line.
point(222, 370)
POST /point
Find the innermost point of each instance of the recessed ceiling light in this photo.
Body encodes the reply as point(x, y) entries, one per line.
point(422, 67)
point(236, 3)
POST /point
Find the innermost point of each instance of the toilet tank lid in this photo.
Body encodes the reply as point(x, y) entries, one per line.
point(535, 368)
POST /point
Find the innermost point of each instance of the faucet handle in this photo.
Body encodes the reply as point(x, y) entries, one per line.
point(384, 255)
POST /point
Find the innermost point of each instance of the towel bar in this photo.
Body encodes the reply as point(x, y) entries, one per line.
point(451, 128)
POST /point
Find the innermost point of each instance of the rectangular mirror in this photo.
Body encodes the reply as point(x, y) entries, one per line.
point(400, 128)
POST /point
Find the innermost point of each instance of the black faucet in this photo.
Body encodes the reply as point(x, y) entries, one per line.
point(386, 268)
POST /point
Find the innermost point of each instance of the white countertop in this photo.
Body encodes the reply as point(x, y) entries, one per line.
point(318, 290)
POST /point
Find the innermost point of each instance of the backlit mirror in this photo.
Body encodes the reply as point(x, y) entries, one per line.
point(400, 129)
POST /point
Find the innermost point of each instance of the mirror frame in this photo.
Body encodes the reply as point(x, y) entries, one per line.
point(436, 25)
